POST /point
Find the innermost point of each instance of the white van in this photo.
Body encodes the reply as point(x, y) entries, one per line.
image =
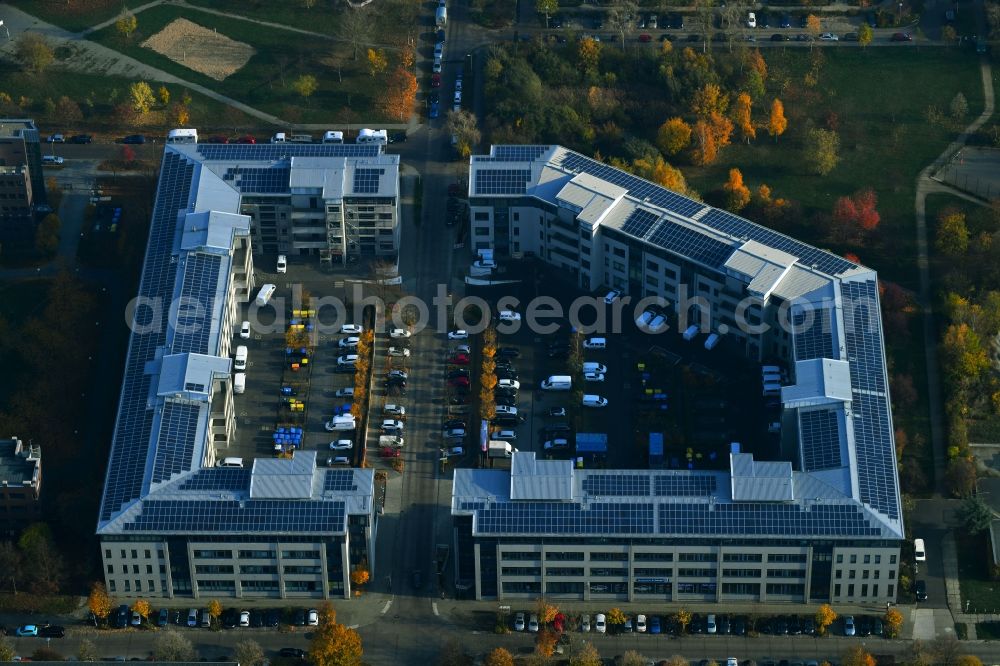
point(331, 136)
point(919, 552)
point(505, 410)
point(265, 294)
point(595, 343)
point(557, 383)
point(594, 401)
point(279, 137)
point(366, 135)
point(240, 383)
point(241, 358)
point(711, 341)
point(182, 136)
point(231, 462)
point(591, 366)
point(343, 422)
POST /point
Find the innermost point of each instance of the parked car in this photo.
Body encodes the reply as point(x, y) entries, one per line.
point(26, 630)
point(292, 653)
point(519, 622)
point(533, 623)
point(81, 138)
point(312, 618)
point(901, 37)
point(458, 335)
point(600, 623)
point(352, 329)
point(829, 37)
point(849, 629)
point(56, 138)
point(134, 139)
point(52, 631)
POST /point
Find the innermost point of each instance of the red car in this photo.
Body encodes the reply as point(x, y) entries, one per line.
point(389, 452)
point(459, 381)
point(645, 38)
point(459, 359)
point(246, 139)
point(435, 80)
point(901, 37)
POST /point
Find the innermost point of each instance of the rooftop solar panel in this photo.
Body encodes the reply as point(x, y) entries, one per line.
point(556, 518)
point(639, 222)
point(683, 485)
point(616, 484)
point(339, 480)
point(240, 516)
point(813, 334)
point(511, 153)
point(687, 242)
point(366, 181)
point(276, 151)
point(875, 453)
point(176, 440)
point(755, 518)
point(820, 440)
point(259, 180)
point(502, 181)
point(861, 335)
point(200, 283)
point(219, 478)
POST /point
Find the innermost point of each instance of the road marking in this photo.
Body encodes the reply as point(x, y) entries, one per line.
point(434, 605)
point(354, 626)
point(338, 284)
point(385, 608)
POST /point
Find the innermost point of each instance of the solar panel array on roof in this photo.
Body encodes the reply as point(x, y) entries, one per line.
point(737, 227)
point(502, 181)
point(339, 480)
point(875, 453)
point(176, 440)
point(678, 485)
point(861, 335)
point(366, 181)
point(820, 440)
point(639, 222)
point(201, 279)
point(510, 153)
point(616, 484)
point(565, 518)
point(813, 334)
point(691, 244)
point(259, 516)
point(130, 447)
point(219, 478)
point(637, 187)
point(259, 180)
point(194, 386)
point(755, 518)
point(276, 151)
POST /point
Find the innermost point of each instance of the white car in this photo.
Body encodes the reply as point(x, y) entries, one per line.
point(484, 264)
point(509, 383)
point(533, 623)
point(56, 138)
point(392, 426)
point(519, 622)
point(399, 351)
point(395, 410)
point(245, 330)
point(612, 296)
point(460, 334)
point(399, 333)
point(344, 422)
point(829, 37)
point(351, 329)
point(849, 625)
point(593, 376)
point(439, 50)
point(585, 623)
point(282, 263)
point(339, 460)
point(600, 623)
point(244, 618)
point(312, 618)
point(594, 401)
point(458, 96)
point(458, 83)
point(751, 20)
point(51, 159)
point(510, 315)
point(640, 623)
point(349, 342)
point(437, 66)
point(462, 349)
point(345, 393)
point(342, 445)
point(347, 359)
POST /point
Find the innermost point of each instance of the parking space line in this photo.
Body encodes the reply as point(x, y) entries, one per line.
point(434, 607)
point(385, 609)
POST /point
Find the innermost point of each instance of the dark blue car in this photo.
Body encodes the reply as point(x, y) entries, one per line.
point(435, 110)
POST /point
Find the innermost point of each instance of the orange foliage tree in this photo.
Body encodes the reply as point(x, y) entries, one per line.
point(737, 194)
point(742, 116)
point(777, 124)
point(711, 134)
point(400, 93)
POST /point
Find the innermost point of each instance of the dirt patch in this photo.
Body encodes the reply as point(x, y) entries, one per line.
point(201, 49)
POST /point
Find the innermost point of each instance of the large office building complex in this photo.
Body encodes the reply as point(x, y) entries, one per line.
point(825, 525)
point(173, 522)
point(22, 184)
point(20, 484)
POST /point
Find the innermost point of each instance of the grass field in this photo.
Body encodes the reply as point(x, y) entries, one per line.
point(18, 302)
point(76, 15)
point(982, 593)
point(265, 82)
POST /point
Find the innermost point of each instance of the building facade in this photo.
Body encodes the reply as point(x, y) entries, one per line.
point(825, 525)
point(172, 522)
point(20, 484)
point(22, 183)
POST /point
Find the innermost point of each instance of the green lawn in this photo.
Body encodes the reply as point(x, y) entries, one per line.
point(988, 631)
point(973, 572)
point(265, 81)
point(880, 97)
point(18, 302)
point(75, 15)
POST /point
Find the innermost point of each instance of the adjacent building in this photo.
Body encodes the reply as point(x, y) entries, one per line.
point(173, 522)
point(22, 184)
point(20, 484)
point(825, 525)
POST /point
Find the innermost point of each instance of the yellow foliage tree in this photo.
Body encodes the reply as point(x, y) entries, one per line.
point(825, 615)
point(588, 54)
point(742, 116)
point(616, 616)
point(499, 657)
point(305, 85)
point(141, 606)
point(377, 62)
point(359, 576)
point(164, 95)
point(180, 113)
point(968, 660)
point(856, 656)
point(99, 602)
point(126, 24)
point(215, 609)
point(545, 642)
point(546, 612)
point(683, 618)
point(673, 135)
point(587, 655)
point(334, 644)
point(709, 99)
point(893, 622)
point(737, 194)
point(813, 25)
point(141, 97)
point(777, 124)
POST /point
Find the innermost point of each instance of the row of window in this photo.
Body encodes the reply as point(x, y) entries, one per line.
point(852, 574)
point(890, 590)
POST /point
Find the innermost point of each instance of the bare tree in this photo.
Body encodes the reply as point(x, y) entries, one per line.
point(171, 646)
point(622, 18)
point(356, 27)
point(249, 652)
point(705, 16)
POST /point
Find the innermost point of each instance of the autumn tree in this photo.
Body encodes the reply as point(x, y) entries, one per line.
point(965, 358)
point(141, 606)
point(499, 657)
point(660, 172)
point(249, 652)
point(141, 97)
point(960, 477)
point(305, 85)
point(180, 114)
point(214, 609)
point(952, 237)
point(464, 126)
point(813, 26)
point(683, 619)
point(949, 35)
point(7, 651)
point(777, 123)
point(709, 99)
point(822, 150)
point(959, 106)
point(673, 135)
point(856, 656)
point(34, 52)
point(711, 134)
point(168, 645)
point(377, 62)
point(333, 644)
point(545, 642)
point(99, 602)
point(86, 651)
point(400, 94)
point(126, 24)
point(865, 35)
point(855, 216)
point(546, 612)
point(825, 616)
point(893, 620)
point(164, 94)
point(356, 27)
point(67, 111)
point(586, 655)
point(968, 660)
point(616, 617)
point(742, 116)
point(975, 515)
point(547, 7)
point(588, 54)
point(359, 576)
point(737, 194)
